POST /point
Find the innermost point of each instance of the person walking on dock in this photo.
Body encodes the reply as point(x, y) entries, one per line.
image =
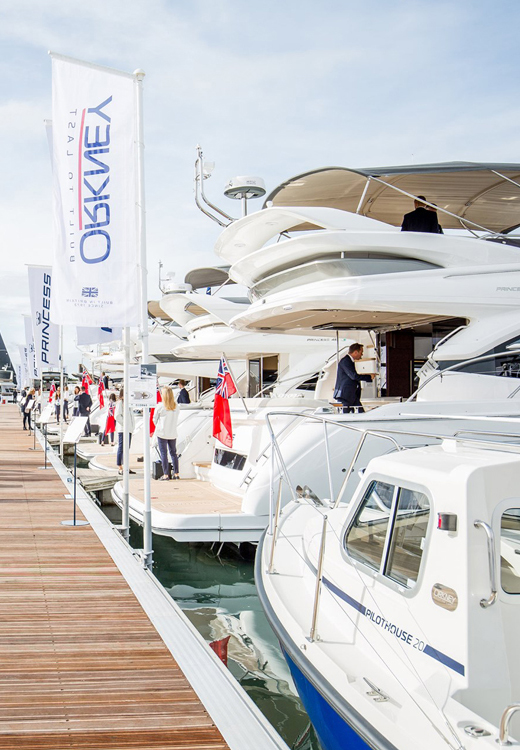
point(28, 406)
point(165, 419)
point(84, 406)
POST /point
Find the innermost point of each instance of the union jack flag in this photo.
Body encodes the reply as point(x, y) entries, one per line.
point(225, 386)
point(90, 291)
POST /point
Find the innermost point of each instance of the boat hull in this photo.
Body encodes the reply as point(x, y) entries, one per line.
point(337, 724)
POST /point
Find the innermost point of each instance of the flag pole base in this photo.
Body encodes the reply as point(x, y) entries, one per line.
point(75, 523)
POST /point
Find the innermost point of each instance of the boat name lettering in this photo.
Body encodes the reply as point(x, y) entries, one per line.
point(399, 633)
point(445, 597)
point(508, 289)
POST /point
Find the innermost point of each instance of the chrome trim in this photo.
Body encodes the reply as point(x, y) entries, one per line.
point(505, 719)
point(485, 603)
point(319, 578)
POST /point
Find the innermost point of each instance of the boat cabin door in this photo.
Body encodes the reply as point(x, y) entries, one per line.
point(261, 372)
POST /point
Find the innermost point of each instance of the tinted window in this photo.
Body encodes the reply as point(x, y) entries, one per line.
point(229, 459)
point(510, 551)
point(408, 534)
point(366, 537)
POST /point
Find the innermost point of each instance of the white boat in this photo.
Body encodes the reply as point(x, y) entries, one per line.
point(397, 603)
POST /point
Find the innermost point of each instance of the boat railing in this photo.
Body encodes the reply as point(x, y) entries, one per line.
point(466, 363)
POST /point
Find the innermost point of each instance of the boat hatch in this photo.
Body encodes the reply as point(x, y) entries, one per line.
point(388, 531)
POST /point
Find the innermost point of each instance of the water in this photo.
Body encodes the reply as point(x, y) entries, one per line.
point(218, 595)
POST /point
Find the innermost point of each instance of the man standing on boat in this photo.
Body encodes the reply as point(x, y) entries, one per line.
point(348, 381)
point(420, 219)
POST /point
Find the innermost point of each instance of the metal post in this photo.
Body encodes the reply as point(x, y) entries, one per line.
point(319, 576)
point(125, 519)
point(61, 409)
point(329, 467)
point(147, 518)
point(350, 469)
point(45, 462)
point(75, 474)
point(271, 488)
point(275, 530)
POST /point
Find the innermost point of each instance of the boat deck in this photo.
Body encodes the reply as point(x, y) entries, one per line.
point(186, 496)
point(81, 665)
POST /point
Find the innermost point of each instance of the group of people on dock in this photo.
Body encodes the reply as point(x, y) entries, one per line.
point(164, 420)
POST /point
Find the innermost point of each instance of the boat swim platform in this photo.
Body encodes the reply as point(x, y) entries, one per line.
point(93, 651)
point(192, 510)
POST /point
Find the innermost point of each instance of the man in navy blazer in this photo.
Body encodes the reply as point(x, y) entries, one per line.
point(348, 380)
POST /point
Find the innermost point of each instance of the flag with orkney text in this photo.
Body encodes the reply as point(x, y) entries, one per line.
point(95, 179)
point(225, 387)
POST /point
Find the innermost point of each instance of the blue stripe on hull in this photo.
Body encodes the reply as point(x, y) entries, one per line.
point(333, 731)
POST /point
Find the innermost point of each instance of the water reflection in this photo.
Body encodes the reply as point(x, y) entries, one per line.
point(218, 595)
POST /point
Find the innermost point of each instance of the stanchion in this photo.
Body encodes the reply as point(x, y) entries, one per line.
point(74, 521)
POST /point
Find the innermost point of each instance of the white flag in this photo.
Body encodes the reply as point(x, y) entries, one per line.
point(29, 343)
point(94, 147)
point(89, 336)
point(46, 334)
point(26, 378)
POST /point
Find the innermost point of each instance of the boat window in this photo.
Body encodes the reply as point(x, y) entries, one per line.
point(229, 459)
point(408, 534)
point(510, 551)
point(366, 536)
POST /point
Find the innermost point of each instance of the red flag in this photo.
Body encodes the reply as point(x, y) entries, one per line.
point(87, 380)
point(100, 390)
point(152, 412)
point(221, 648)
point(225, 387)
point(52, 391)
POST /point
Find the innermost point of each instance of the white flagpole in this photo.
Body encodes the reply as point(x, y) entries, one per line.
point(61, 409)
point(125, 519)
point(147, 520)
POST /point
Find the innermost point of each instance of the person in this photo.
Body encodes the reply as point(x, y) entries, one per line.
point(433, 208)
point(182, 396)
point(165, 420)
point(119, 418)
point(38, 403)
point(28, 405)
point(75, 400)
point(110, 426)
point(420, 219)
point(66, 397)
point(84, 406)
point(57, 403)
point(104, 380)
point(348, 381)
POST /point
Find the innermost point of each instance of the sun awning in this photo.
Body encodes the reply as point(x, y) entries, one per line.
point(486, 194)
point(201, 278)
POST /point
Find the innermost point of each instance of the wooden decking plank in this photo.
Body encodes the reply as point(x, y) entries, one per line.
point(81, 666)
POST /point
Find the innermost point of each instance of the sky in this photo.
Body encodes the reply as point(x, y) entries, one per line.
point(270, 89)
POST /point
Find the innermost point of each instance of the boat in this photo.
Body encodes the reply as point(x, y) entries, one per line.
point(396, 601)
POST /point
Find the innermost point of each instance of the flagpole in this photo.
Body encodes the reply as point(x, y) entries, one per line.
point(125, 518)
point(147, 518)
point(236, 384)
point(61, 409)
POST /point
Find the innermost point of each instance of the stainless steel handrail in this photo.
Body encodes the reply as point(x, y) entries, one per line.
point(503, 734)
point(485, 603)
point(466, 362)
point(319, 577)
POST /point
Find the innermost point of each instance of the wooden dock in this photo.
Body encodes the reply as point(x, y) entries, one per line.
point(81, 664)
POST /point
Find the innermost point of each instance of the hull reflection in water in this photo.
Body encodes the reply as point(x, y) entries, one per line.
point(218, 595)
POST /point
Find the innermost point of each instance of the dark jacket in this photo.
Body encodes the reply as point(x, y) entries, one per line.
point(348, 382)
point(183, 397)
point(84, 404)
point(421, 220)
